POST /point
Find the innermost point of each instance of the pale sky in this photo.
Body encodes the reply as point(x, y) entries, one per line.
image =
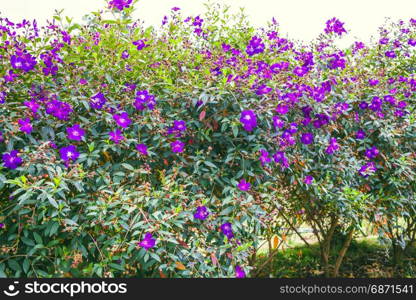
point(299, 19)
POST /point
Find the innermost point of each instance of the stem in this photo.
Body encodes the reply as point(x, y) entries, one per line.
point(342, 252)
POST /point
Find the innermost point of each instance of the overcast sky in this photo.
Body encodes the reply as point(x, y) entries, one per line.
point(300, 19)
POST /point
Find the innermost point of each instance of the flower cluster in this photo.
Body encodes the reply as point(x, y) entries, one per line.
point(97, 101)
point(143, 100)
point(333, 146)
point(120, 4)
point(25, 125)
point(58, 109)
point(11, 160)
point(335, 26)
point(23, 61)
point(140, 44)
point(255, 46)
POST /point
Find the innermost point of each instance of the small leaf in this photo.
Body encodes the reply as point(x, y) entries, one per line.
point(275, 242)
point(180, 266)
point(214, 259)
point(202, 115)
point(162, 275)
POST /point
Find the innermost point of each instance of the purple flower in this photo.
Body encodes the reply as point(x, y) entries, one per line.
point(335, 26)
point(142, 148)
point(32, 105)
point(248, 119)
point(293, 128)
point(277, 122)
point(75, 133)
point(10, 76)
point(243, 185)
point(383, 41)
point(1, 225)
point(282, 109)
point(372, 152)
point(69, 153)
point(399, 113)
point(390, 99)
point(179, 125)
point(58, 109)
point(367, 169)
point(201, 213)
point(148, 241)
point(122, 119)
point(341, 107)
point(360, 135)
point(333, 146)
point(225, 47)
point(24, 62)
point(263, 89)
point(116, 136)
point(363, 105)
point(358, 46)
point(120, 4)
point(25, 125)
point(198, 21)
point(402, 104)
point(255, 46)
point(11, 160)
point(227, 230)
point(66, 37)
point(390, 54)
point(143, 98)
point(264, 157)
point(83, 81)
point(307, 111)
point(97, 101)
point(300, 71)
point(336, 62)
point(140, 44)
point(279, 156)
point(177, 146)
point(373, 82)
point(3, 97)
point(125, 54)
point(239, 272)
point(308, 179)
point(412, 42)
point(307, 138)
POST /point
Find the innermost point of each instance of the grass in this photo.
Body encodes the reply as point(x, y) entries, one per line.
point(366, 258)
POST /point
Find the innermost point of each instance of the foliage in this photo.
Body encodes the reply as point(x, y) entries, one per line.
point(173, 151)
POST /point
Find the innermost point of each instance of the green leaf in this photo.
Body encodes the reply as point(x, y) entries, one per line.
point(14, 265)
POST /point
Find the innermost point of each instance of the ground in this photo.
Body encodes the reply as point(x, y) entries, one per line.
point(366, 258)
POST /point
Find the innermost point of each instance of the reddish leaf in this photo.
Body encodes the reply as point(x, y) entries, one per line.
point(214, 259)
point(202, 115)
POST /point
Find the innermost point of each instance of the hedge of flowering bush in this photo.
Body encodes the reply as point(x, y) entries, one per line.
point(176, 151)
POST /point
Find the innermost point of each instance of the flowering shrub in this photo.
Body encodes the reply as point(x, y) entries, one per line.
point(173, 152)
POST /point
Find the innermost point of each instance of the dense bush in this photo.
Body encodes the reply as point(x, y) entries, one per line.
point(175, 151)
